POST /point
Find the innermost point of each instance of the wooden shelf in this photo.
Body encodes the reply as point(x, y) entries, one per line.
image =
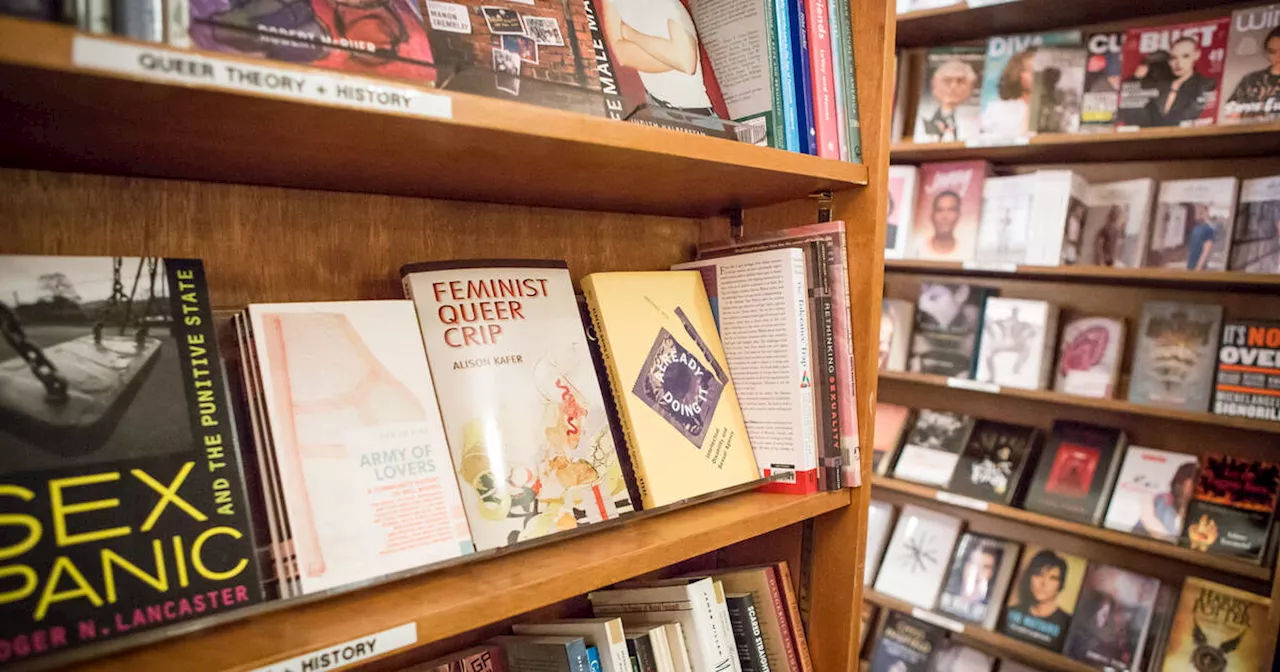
point(468, 595)
point(1113, 405)
point(1141, 545)
point(1103, 275)
point(57, 115)
point(992, 642)
point(1149, 144)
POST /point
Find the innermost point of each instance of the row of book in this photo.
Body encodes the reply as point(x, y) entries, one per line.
point(324, 444)
point(1087, 474)
point(1217, 70)
point(743, 619)
point(902, 645)
point(1185, 355)
point(785, 66)
point(957, 211)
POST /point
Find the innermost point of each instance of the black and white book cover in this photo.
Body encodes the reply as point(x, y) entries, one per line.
point(1192, 225)
point(1255, 240)
point(1057, 89)
point(1005, 227)
point(918, 556)
point(880, 516)
point(1117, 223)
point(1152, 492)
point(932, 448)
point(1112, 618)
point(906, 645)
point(1016, 349)
point(979, 579)
point(1074, 475)
point(948, 321)
point(996, 461)
point(1176, 352)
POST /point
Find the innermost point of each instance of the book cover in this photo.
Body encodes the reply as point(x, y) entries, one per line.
point(1251, 75)
point(746, 632)
point(1116, 223)
point(949, 106)
point(1089, 357)
point(897, 319)
point(1175, 353)
point(1076, 472)
point(948, 321)
point(1004, 229)
point(115, 402)
point(956, 657)
point(1112, 618)
point(482, 658)
point(1171, 74)
point(1152, 493)
point(604, 634)
point(694, 603)
point(1101, 81)
point(932, 448)
point(761, 583)
point(1192, 224)
point(740, 42)
point(1219, 626)
point(1044, 597)
point(891, 422)
point(1057, 89)
point(902, 200)
point(1017, 343)
point(551, 653)
point(522, 407)
point(880, 516)
point(801, 59)
point(670, 378)
point(760, 305)
point(644, 645)
point(846, 80)
point(995, 461)
point(822, 76)
point(979, 579)
point(915, 563)
point(1057, 228)
point(1009, 78)
point(1255, 240)
point(906, 645)
point(1234, 504)
point(782, 573)
point(1248, 379)
point(948, 208)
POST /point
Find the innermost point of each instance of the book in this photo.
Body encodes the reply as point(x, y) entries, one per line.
point(122, 410)
point(1249, 82)
point(1248, 370)
point(37, 10)
point(544, 653)
point(1017, 343)
point(1004, 229)
point(949, 106)
point(1161, 620)
point(1174, 355)
point(741, 40)
point(801, 61)
point(979, 579)
point(1044, 597)
point(522, 407)
point(948, 322)
point(1057, 229)
point(995, 461)
point(692, 604)
point(898, 128)
point(1112, 618)
point(746, 632)
point(822, 78)
point(141, 20)
point(1192, 225)
point(365, 431)
point(1101, 81)
point(897, 318)
point(785, 58)
point(760, 305)
point(604, 634)
point(915, 562)
point(593, 658)
point(948, 208)
point(902, 201)
point(1008, 80)
point(846, 80)
point(761, 583)
point(956, 657)
point(906, 645)
point(481, 658)
point(880, 517)
point(1171, 74)
point(648, 642)
point(1057, 89)
point(795, 620)
point(1116, 223)
point(1233, 507)
point(677, 647)
point(1255, 239)
point(1076, 471)
point(1152, 493)
point(1219, 624)
point(932, 448)
point(1089, 356)
point(891, 423)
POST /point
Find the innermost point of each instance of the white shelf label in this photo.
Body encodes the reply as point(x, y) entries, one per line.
point(960, 500)
point(996, 141)
point(189, 68)
point(341, 655)
point(940, 621)
point(976, 386)
point(997, 266)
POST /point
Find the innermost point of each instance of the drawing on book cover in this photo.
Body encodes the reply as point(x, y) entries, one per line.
point(1008, 335)
point(920, 554)
point(678, 386)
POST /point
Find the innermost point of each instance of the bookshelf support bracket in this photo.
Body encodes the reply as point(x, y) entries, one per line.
point(735, 224)
point(824, 200)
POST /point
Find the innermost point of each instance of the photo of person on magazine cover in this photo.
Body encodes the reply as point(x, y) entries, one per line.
point(1162, 514)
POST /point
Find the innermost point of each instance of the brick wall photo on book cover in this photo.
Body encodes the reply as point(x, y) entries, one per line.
point(1255, 240)
point(1101, 81)
point(1251, 77)
point(1152, 493)
point(948, 323)
point(129, 415)
point(1172, 74)
point(1233, 507)
point(1175, 352)
point(1223, 625)
point(1043, 597)
point(1192, 225)
point(1089, 353)
point(950, 96)
point(1008, 80)
point(1248, 379)
point(1076, 471)
point(948, 207)
point(979, 579)
point(1112, 618)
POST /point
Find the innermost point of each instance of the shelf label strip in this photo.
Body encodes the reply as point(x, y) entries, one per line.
point(960, 500)
point(940, 621)
point(976, 386)
point(189, 68)
point(344, 654)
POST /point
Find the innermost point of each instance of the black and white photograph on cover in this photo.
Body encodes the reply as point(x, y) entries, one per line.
point(543, 30)
point(1103, 238)
point(502, 21)
point(1059, 86)
point(1073, 239)
point(506, 62)
point(946, 329)
point(950, 107)
point(89, 369)
point(1108, 625)
point(1255, 244)
point(1193, 235)
point(971, 580)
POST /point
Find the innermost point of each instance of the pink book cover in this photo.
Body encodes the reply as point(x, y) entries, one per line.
point(948, 206)
point(833, 234)
point(826, 119)
point(1171, 75)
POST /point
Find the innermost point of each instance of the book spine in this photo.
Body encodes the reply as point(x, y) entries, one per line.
point(786, 70)
point(39, 10)
point(825, 381)
point(823, 82)
point(178, 20)
point(93, 16)
point(847, 409)
point(593, 659)
point(708, 619)
point(804, 77)
point(724, 626)
point(793, 617)
point(579, 659)
point(837, 75)
point(746, 634)
point(778, 603)
point(777, 124)
point(141, 20)
point(842, 25)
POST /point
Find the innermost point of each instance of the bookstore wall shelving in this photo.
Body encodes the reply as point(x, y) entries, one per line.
point(289, 200)
point(1243, 151)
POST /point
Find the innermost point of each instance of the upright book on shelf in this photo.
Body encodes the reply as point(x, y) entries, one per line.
point(1101, 81)
point(906, 645)
point(1221, 625)
point(1007, 207)
point(948, 207)
point(1248, 370)
point(695, 604)
point(1171, 74)
point(761, 583)
point(1192, 225)
point(1112, 619)
point(1175, 350)
point(932, 448)
point(1008, 80)
point(1044, 597)
point(741, 40)
point(995, 462)
point(880, 516)
point(948, 322)
point(897, 320)
point(1017, 343)
point(979, 579)
point(1251, 75)
point(902, 201)
point(552, 653)
point(1233, 508)
point(1076, 472)
point(1089, 354)
point(892, 422)
point(1255, 239)
point(915, 563)
point(121, 461)
point(950, 101)
point(1117, 222)
point(1152, 493)
point(1057, 228)
point(522, 407)
point(481, 658)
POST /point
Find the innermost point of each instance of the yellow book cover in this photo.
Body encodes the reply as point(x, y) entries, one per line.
point(1216, 628)
point(667, 370)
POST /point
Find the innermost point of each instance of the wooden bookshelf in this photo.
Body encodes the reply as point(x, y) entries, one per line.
point(1097, 275)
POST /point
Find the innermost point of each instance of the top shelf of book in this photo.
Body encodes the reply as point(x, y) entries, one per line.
point(105, 105)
